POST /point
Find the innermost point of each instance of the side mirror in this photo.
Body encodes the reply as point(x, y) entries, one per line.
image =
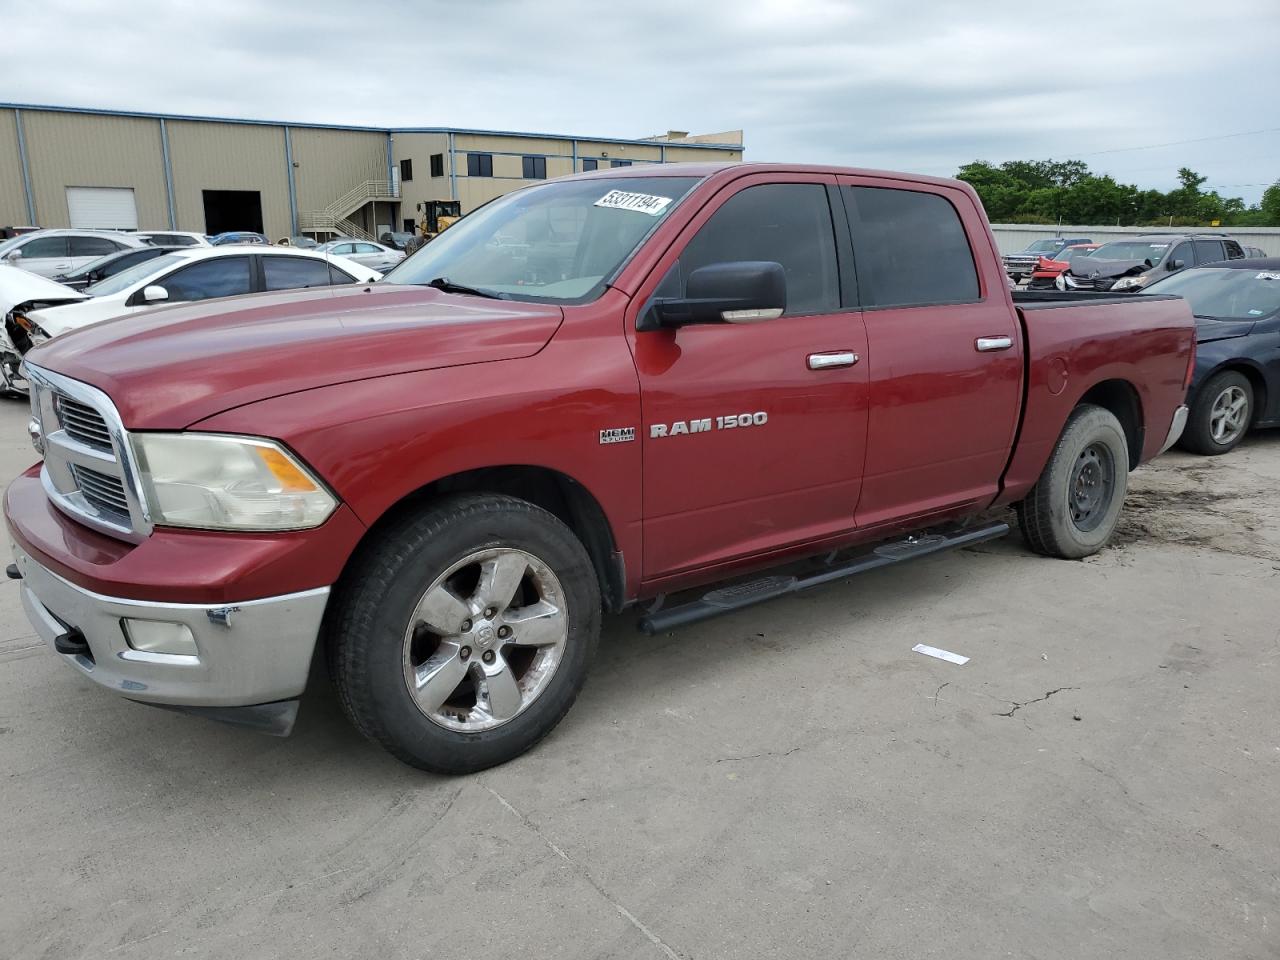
point(154, 294)
point(13, 256)
point(745, 291)
point(1177, 264)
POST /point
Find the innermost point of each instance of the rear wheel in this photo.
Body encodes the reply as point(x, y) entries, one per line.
point(1073, 509)
point(463, 637)
point(1221, 415)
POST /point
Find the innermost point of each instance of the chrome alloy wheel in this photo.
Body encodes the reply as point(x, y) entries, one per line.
point(485, 639)
point(1229, 416)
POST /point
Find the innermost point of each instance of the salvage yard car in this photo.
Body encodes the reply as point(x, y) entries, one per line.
point(51, 252)
point(177, 276)
point(1126, 266)
point(1236, 385)
point(1022, 263)
point(680, 375)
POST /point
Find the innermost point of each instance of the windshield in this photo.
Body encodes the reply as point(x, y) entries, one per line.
point(1044, 246)
point(1131, 250)
point(560, 241)
point(1225, 294)
point(127, 278)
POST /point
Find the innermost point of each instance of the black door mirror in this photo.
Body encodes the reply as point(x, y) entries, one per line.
point(745, 291)
point(1177, 264)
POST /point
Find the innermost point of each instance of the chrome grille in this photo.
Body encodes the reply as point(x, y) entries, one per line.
point(89, 470)
point(83, 423)
point(102, 490)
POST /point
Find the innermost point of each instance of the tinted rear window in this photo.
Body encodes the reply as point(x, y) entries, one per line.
point(910, 249)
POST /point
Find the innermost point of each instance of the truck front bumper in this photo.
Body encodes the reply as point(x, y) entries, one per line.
point(240, 662)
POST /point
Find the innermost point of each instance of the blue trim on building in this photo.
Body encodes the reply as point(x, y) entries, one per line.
point(97, 111)
point(293, 189)
point(168, 174)
point(26, 169)
point(453, 170)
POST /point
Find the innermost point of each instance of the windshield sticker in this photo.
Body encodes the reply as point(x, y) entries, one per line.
point(639, 202)
point(1266, 275)
point(1157, 246)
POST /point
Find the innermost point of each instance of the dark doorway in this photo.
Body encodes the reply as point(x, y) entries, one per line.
point(232, 210)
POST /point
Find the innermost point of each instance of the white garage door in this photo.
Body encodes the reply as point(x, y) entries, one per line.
point(102, 208)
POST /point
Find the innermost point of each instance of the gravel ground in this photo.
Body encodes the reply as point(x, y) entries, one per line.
point(791, 781)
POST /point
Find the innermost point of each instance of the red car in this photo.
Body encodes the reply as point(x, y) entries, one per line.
point(591, 393)
point(1047, 271)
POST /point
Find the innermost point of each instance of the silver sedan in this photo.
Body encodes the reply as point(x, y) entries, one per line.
point(372, 255)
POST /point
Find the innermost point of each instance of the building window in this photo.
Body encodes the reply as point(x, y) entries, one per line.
point(619, 163)
point(534, 168)
point(409, 225)
point(437, 164)
point(479, 164)
point(590, 165)
point(406, 171)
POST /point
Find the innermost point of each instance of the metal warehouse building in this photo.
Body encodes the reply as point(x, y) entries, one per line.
point(70, 167)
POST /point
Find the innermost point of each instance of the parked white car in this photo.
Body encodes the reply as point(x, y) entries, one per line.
point(53, 252)
point(20, 292)
point(197, 273)
point(173, 238)
point(371, 254)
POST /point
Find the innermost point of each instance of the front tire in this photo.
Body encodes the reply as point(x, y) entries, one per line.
point(462, 636)
point(1074, 507)
point(1220, 416)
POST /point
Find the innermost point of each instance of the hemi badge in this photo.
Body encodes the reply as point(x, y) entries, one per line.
point(618, 435)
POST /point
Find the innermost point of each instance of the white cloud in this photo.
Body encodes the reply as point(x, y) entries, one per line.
point(917, 86)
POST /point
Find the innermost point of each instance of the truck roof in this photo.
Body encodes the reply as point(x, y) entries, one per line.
point(734, 170)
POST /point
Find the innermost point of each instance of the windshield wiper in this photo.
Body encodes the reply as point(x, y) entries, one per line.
point(448, 286)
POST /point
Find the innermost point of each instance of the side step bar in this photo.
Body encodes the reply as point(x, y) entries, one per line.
point(739, 595)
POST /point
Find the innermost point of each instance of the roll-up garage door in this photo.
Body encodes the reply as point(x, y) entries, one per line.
point(102, 208)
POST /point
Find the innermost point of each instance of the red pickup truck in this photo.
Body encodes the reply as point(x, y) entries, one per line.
point(592, 392)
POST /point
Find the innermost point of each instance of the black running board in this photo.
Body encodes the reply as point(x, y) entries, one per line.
point(739, 595)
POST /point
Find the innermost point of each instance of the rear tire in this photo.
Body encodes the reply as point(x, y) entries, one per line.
point(462, 636)
point(1073, 509)
point(1220, 416)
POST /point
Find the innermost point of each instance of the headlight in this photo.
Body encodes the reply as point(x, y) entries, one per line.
point(34, 332)
point(1130, 283)
point(216, 482)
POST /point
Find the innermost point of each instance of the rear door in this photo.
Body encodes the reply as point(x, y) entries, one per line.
point(944, 349)
point(85, 250)
point(753, 433)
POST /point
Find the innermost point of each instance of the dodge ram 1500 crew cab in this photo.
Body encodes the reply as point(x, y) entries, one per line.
point(590, 392)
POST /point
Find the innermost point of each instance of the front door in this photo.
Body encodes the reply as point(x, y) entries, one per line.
point(753, 433)
point(944, 346)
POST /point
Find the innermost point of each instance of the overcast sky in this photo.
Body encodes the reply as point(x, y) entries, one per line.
point(921, 85)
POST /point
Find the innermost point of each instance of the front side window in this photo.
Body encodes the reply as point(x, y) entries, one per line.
point(222, 277)
point(45, 247)
point(135, 274)
point(786, 223)
point(1181, 254)
point(479, 164)
point(1234, 250)
point(339, 276)
point(1209, 251)
point(291, 273)
point(910, 249)
point(343, 249)
point(558, 241)
point(92, 246)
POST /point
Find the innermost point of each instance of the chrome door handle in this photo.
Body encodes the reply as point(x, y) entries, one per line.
point(989, 344)
point(824, 361)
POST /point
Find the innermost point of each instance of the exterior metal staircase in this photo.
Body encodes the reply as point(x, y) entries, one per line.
point(334, 218)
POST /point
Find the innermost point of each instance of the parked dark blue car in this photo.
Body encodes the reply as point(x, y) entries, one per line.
point(1236, 384)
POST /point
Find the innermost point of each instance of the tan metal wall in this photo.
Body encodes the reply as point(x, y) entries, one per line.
point(331, 162)
point(419, 147)
point(229, 156)
point(13, 201)
point(89, 150)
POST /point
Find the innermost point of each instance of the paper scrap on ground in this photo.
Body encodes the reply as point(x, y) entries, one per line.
point(946, 655)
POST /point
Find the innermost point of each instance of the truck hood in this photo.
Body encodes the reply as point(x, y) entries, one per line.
point(1108, 268)
point(1209, 330)
point(18, 287)
point(170, 367)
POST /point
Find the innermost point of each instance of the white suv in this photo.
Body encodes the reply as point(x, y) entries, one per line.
point(54, 252)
